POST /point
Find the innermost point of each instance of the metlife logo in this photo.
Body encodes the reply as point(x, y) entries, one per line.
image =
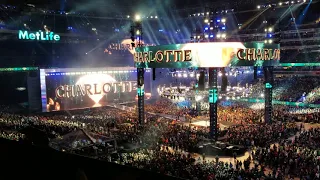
point(38, 36)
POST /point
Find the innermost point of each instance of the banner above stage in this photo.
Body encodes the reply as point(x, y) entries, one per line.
point(213, 54)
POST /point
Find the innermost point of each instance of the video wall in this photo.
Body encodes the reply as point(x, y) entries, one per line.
point(75, 88)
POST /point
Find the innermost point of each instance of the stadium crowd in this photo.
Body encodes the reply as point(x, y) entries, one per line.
point(302, 89)
point(166, 145)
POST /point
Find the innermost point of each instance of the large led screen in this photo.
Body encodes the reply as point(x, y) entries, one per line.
point(211, 54)
point(67, 89)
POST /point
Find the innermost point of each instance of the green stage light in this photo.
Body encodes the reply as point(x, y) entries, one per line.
point(268, 86)
point(17, 69)
point(140, 91)
point(299, 64)
point(213, 95)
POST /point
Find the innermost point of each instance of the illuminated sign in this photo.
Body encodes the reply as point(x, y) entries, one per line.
point(211, 54)
point(39, 36)
point(70, 91)
point(159, 56)
point(253, 54)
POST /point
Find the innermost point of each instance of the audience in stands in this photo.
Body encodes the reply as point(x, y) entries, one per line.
point(164, 145)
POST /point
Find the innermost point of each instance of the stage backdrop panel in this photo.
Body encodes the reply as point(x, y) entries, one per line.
point(73, 88)
point(212, 54)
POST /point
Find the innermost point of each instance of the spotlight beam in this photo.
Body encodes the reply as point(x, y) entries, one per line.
point(250, 21)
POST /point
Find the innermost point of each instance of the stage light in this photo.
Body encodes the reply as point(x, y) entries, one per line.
point(151, 17)
point(156, 17)
point(20, 88)
point(223, 20)
point(265, 41)
point(208, 13)
point(270, 29)
point(218, 20)
point(198, 37)
point(206, 36)
point(211, 36)
point(270, 41)
point(223, 35)
point(179, 75)
point(137, 32)
point(265, 30)
point(194, 37)
point(220, 74)
point(206, 20)
point(218, 35)
point(280, 3)
point(292, 2)
point(211, 28)
point(261, 95)
point(223, 28)
point(304, 0)
point(138, 17)
point(128, 16)
point(258, 7)
point(191, 75)
point(198, 14)
point(86, 53)
point(206, 28)
point(185, 75)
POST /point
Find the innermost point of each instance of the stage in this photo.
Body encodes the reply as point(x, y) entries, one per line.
point(205, 122)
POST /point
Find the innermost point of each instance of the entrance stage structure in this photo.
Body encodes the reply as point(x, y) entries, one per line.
point(212, 55)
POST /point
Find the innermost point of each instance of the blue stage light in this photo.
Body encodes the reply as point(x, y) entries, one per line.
point(270, 35)
point(223, 28)
point(206, 28)
point(218, 20)
point(211, 36)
